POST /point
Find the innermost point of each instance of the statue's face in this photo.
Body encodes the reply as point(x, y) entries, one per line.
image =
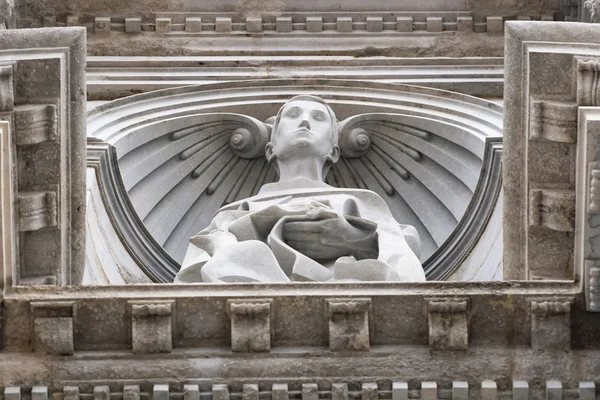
point(304, 129)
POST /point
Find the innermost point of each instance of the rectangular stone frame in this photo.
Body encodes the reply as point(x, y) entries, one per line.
point(540, 150)
point(52, 208)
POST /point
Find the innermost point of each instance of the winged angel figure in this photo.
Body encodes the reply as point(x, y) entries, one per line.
point(300, 228)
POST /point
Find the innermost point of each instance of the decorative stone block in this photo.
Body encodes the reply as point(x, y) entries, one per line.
point(250, 392)
point(464, 24)
point(310, 391)
point(151, 326)
point(131, 392)
point(39, 393)
point(102, 25)
point(551, 324)
point(72, 393)
point(344, 24)
point(37, 210)
point(192, 392)
point(53, 326)
point(35, 124)
point(250, 325)
point(554, 390)
point(219, 392)
point(163, 25)
point(279, 391)
point(434, 24)
point(552, 208)
point(160, 392)
point(588, 72)
point(495, 25)
point(404, 24)
point(374, 24)
point(284, 24)
point(72, 20)
point(587, 391)
point(50, 21)
point(101, 393)
point(223, 24)
point(254, 25)
point(460, 390)
point(428, 391)
point(448, 329)
point(520, 390)
point(554, 121)
point(314, 24)
point(339, 391)
point(7, 96)
point(349, 324)
point(133, 25)
point(489, 390)
point(594, 189)
point(399, 391)
point(193, 24)
point(12, 393)
point(369, 391)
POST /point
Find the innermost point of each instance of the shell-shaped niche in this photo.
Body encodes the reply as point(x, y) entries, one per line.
point(183, 153)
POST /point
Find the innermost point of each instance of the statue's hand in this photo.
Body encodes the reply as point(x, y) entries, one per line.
point(327, 235)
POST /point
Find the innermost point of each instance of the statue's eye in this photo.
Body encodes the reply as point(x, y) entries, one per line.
point(293, 114)
point(319, 117)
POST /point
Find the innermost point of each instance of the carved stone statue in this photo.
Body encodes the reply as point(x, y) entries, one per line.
point(299, 228)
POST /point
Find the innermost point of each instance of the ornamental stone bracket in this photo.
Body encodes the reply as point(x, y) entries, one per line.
point(53, 324)
point(448, 323)
point(42, 95)
point(251, 326)
point(349, 324)
point(151, 326)
point(551, 324)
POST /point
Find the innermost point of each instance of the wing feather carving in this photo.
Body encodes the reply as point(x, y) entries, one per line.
point(195, 164)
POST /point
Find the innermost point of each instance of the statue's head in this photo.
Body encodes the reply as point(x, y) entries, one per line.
point(305, 128)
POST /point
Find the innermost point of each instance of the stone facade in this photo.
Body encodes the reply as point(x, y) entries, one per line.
point(533, 335)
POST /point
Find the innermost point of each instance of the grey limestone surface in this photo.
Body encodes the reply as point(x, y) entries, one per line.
point(193, 24)
point(344, 24)
point(460, 390)
point(339, 391)
point(554, 390)
point(133, 25)
point(310, 391)
point(192, 392)
point(429, 390)
point(131, 392)
point(284, 24)
point(520, 390)
point(279, 391)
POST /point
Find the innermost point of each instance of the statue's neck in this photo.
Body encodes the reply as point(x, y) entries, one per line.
point(306, 168)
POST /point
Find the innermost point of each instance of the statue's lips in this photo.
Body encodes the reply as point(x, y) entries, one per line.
point(306, 131)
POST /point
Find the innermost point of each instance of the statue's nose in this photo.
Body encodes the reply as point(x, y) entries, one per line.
point(304, 124)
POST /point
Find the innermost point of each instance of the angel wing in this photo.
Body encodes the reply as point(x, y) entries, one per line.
point(189, 167)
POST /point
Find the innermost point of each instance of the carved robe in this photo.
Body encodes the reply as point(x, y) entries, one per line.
point(244, 242)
